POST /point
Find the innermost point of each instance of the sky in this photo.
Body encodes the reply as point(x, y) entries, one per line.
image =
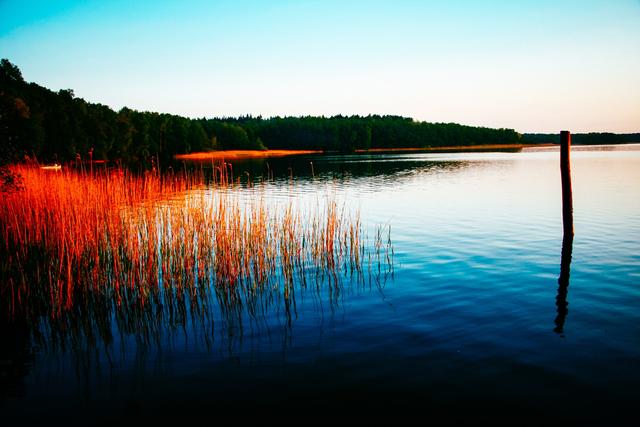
point(533, 66)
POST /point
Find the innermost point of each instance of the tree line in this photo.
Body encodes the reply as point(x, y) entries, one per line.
point(593, 138)
point(58, 126)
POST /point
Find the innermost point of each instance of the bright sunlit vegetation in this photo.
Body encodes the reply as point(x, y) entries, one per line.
point(66, 233)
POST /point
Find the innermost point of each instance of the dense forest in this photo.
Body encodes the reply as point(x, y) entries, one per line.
point(48, 126)
point(582, 138)
point(57, 126)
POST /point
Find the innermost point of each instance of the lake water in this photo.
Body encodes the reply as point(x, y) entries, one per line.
point(470, 323)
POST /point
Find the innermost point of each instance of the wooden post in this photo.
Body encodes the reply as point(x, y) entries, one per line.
point(567, 225)
point(565, 173)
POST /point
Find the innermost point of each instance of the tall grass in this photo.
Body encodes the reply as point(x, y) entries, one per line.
point(130, 243)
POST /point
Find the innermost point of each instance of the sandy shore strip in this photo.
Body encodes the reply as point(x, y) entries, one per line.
point(241, 154)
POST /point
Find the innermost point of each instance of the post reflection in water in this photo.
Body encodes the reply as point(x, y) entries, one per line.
point(563, 284)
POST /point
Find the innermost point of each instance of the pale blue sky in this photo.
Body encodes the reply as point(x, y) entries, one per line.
point(529, 65)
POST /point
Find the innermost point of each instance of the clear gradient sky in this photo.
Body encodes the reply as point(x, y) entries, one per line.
point(535, 66)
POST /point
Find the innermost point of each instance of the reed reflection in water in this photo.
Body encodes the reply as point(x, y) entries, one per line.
point(88, 256)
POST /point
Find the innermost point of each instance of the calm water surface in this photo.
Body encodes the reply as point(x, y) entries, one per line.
point(468, 321)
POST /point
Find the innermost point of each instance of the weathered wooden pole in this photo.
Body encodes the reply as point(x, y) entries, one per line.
point(562, 304)
point(565, 173)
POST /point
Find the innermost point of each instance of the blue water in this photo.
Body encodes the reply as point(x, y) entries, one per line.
point(463, 328)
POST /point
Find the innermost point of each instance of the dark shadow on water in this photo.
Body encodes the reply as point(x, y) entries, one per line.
point(16, 357)
point(563, 284)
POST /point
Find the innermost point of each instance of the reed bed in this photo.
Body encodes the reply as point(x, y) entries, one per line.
point(131, 244)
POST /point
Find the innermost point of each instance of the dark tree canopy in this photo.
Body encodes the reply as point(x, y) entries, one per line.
point(49, 126)
point(592, 138)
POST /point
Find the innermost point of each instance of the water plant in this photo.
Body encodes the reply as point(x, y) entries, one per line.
point(137, 248)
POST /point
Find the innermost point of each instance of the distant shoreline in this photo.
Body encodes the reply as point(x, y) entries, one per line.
point(455, 148)
point(258, 154)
